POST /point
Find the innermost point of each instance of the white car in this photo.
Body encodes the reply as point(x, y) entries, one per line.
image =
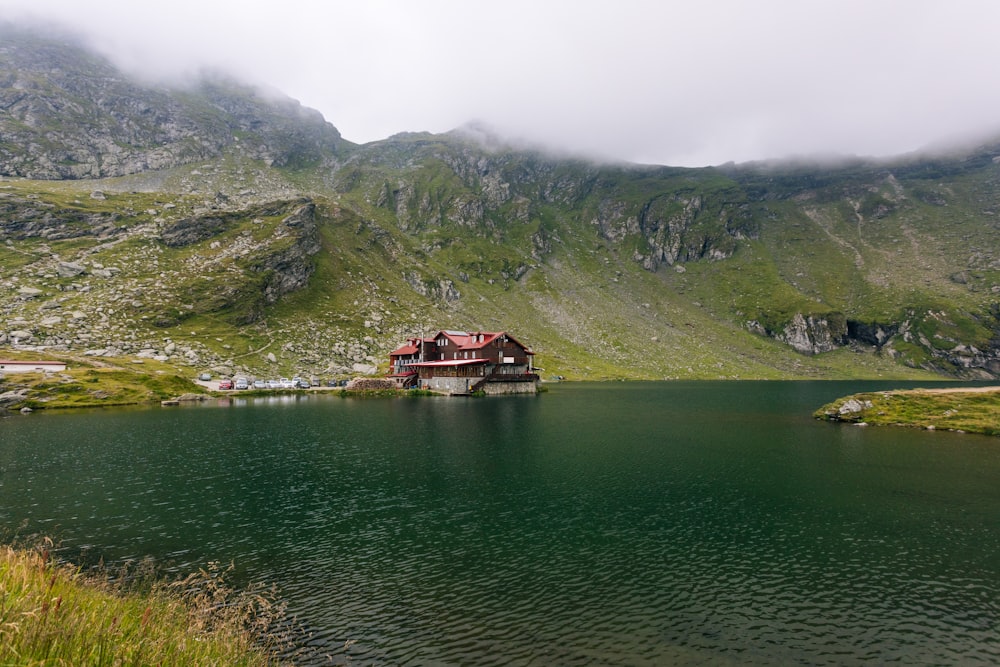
point(286, 383)
point(273, 384)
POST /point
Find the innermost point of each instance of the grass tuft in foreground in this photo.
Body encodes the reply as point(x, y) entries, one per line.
point(56, 614)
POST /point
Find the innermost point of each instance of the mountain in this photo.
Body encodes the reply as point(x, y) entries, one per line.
point(71, 114)
point(215, 225)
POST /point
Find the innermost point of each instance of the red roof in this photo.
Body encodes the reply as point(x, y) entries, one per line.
point(476, 340)
point(463, 341)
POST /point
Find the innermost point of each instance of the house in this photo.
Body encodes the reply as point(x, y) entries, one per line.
point(463, 362)
point(31, 366)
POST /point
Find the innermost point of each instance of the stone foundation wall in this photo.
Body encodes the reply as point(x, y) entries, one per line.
point(504, 388)
point(447, 385)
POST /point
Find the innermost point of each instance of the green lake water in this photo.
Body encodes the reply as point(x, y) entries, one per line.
point(687, 523)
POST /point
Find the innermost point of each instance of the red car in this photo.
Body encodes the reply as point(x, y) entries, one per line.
point(225, 384)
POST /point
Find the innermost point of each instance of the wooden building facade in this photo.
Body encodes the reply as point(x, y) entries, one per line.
point(462, 362)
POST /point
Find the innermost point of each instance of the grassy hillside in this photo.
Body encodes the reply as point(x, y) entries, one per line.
point(259, 241)
point(582, 297)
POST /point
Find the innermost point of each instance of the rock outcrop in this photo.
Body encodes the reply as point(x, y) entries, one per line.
point(808, 333)
point(812, 334)
point(288, 269)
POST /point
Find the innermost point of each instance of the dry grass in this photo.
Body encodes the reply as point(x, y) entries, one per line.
point(57, 614)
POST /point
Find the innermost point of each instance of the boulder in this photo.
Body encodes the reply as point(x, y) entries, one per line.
point(192, 397)
point(9, 398)
point(70, 269)
point(853, 406)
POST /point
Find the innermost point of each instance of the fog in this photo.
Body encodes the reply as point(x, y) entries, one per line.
point(677, 83)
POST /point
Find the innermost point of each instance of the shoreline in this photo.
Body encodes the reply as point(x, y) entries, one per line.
point(949, 390)
point(144, 383)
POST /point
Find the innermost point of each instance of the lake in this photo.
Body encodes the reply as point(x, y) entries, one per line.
point(686, 523)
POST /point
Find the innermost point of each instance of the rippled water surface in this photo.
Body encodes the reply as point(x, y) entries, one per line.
point(633, 524)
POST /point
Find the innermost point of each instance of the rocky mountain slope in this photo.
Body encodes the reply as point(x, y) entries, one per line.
point(213, 226)
point(71, 114)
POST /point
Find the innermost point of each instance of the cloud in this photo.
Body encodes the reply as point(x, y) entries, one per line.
point(669, 83)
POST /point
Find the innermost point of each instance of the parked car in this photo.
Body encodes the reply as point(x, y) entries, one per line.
point(259, 384)
point(286, 383)
point(225, 384)
point(304, 384)
point(274, 384)
point(205, 377)
point(241, 383)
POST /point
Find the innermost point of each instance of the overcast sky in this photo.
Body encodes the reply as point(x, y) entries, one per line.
point(687, 83)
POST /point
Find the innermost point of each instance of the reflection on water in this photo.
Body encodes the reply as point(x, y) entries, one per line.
point(674, 523)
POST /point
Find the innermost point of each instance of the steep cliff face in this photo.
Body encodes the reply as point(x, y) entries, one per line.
point(809, 334)
point(949, 341)
point(66, 113)
point(429, 183)
point(288, 266)
point(257, 269)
